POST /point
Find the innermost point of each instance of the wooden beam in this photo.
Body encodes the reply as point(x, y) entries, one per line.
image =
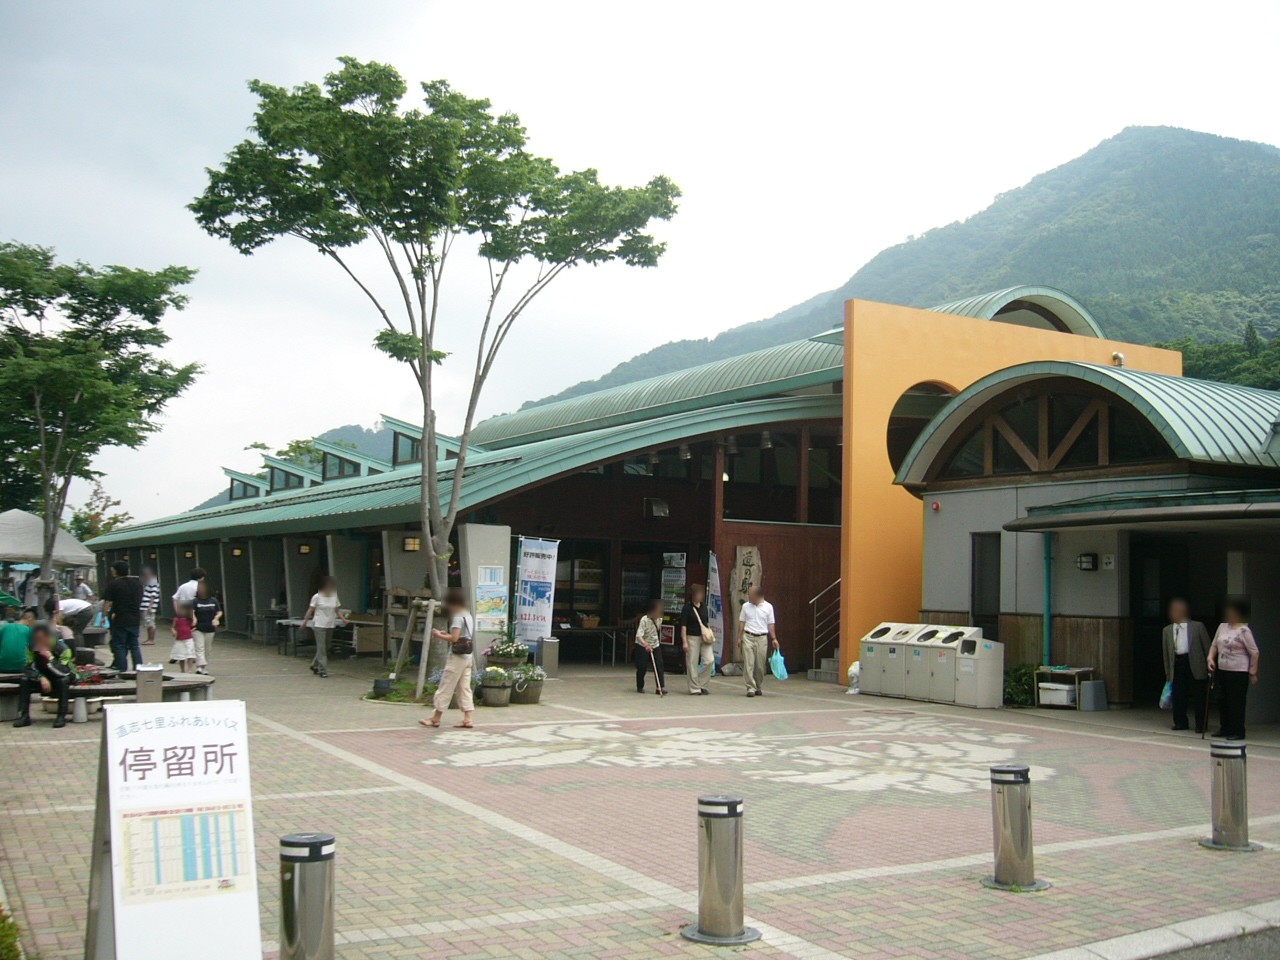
point(1073, 434)
point(1019, 445)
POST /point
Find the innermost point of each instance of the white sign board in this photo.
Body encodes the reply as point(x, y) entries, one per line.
point(537, 578)
point(715, 604)
point(174, 834)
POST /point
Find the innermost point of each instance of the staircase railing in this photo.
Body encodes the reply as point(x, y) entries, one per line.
point(825, 610)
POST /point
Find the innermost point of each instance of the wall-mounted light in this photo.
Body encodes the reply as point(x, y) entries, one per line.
point(237, 552)
point(766, 440)
point(152, 555)
point(653, 458)
point(685, 452)
point(725, 476)
point(188, 554)
point(304, 549)
point(1087, 561)
point(411, 544)
point(731, 445)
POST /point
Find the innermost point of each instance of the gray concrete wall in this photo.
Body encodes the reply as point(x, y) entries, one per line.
point(405, 570)
point(164, 566)
point(237, 600)
point(947, 548)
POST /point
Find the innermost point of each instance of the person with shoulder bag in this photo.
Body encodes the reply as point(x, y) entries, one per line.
point(698, 640)
point(457, 668)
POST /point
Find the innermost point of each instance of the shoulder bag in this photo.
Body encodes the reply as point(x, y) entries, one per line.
point(708, 636)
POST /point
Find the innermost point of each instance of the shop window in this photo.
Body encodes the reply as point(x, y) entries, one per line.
point(581, 583)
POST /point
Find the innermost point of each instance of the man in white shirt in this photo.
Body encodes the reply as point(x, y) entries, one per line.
point(74, 614)
point(185, 595)
point(757, 629)
point(1186, 663)
point(82, 590)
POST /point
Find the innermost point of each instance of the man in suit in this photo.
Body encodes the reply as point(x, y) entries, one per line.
point(1186, 659)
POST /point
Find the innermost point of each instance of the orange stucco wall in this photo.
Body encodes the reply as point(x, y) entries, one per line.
point(887, 350)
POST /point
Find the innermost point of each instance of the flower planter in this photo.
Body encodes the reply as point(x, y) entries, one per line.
point(506, 663)
point(381, 687)
point(496, 696)
point(526, 691)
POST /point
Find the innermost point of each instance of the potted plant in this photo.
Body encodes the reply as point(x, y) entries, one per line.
point(507, 652)
point(495, 683)
point(527, 683)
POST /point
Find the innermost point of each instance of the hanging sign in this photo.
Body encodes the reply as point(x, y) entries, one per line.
point(715, 605)
point(173, 834)
point(537, 571)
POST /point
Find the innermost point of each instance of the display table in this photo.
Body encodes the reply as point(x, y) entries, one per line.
point(1071, 676)
point(607, 635)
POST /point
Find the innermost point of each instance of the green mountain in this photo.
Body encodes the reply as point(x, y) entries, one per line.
point(1162, 233)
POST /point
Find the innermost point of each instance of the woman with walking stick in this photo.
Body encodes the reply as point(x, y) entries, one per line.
point(648, 652)
point(1233, 664)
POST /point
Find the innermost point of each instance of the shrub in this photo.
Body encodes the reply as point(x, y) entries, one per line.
point(10, 949)
point(1020, 685)
point(495, 677)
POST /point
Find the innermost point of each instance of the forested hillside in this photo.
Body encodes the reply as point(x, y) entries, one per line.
point(1163, 233)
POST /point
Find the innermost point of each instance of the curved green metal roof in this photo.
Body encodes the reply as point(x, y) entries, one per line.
point(1201, 420)
point(1069, 311)
point(393, 497)
point(788, 367)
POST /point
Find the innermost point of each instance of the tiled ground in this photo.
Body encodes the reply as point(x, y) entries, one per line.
point(567, 829)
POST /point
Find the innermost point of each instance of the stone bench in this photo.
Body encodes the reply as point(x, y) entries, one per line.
point(174, 689)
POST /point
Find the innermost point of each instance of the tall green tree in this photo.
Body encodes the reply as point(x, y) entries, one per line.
point(343, 164)
point(78, 366)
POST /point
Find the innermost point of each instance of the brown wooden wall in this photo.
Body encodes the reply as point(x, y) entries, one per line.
point(798, 561)
point(1104, 643)
point(946, 618)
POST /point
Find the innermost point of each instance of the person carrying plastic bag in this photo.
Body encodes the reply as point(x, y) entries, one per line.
point(757, 630)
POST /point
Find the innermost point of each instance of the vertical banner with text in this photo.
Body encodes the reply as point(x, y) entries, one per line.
point(715, 605)
point(536, 563)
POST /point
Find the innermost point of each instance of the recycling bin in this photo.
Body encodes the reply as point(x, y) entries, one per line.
point(980, 673)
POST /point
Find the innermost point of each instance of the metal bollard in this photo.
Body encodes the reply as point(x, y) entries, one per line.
point(720, 919)
point(306, 896)
point(1230, 800)
point(1011, 828)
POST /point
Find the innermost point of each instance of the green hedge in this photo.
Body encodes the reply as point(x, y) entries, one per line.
point(1020, 685)
point(10, 949)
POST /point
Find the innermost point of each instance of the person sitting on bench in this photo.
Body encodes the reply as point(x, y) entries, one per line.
point(48, 670)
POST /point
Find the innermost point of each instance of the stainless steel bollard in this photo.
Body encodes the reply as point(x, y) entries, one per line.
point(1011, 829)
point(720, 918)
point(306, 896)
point(1230, 800)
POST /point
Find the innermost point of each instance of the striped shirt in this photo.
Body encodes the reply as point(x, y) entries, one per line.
point(151, 595)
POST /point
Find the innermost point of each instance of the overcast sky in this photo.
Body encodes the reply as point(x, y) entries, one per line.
point(805, 136)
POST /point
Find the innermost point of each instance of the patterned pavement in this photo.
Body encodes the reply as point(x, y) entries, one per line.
point(567, 829)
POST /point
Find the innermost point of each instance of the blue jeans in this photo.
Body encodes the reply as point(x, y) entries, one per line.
point(124, 641)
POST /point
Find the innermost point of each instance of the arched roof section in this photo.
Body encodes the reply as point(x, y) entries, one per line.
point(1200, 420)
point(1045, 308)
point(777, 370)
point(395, 496)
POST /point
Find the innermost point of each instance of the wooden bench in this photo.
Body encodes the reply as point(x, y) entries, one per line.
point(175, 689)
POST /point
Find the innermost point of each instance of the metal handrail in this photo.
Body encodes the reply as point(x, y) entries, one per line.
point(826, 619)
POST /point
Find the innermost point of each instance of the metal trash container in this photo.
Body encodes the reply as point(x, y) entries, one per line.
point(1015, 869)
point(1093, 695)
point(547, 656)
point(720, 914)
point(150, 681)
point(1230, 800)
point(306, 896)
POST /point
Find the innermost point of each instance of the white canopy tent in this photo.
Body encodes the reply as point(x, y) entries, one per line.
point(22, 541)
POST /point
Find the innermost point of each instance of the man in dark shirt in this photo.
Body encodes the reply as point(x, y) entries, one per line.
point(122, 603)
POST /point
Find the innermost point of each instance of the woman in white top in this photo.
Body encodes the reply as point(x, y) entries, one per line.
point(457, 669)
point(324, 616)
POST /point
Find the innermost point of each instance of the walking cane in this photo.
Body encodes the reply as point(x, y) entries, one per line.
point(656, 679)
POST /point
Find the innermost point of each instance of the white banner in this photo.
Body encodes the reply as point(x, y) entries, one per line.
point(715, 605)
point(177, 807)
point(536, 566)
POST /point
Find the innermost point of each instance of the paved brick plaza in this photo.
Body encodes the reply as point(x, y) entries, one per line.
point(567, 829)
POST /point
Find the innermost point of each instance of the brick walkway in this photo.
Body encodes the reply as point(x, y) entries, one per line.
point(567, 829)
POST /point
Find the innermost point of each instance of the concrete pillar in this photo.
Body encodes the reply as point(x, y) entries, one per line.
point(302, 561)
point(266, 573)
point(347, 566)
point(236, 593)
point(164, 567)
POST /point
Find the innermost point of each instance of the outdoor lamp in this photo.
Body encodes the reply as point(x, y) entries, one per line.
point(304, 549)
point(1087, 561)
point(237, 552)
point(685, 452)
point(731, 443)
point(766, 440)
point(411, 544)
point(189, 554)
point(653, 458)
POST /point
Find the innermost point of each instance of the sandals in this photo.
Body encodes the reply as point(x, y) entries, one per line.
point(464, 726)
point(429, 723)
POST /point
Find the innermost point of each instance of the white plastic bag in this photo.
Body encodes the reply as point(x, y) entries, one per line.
point(855, 678)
